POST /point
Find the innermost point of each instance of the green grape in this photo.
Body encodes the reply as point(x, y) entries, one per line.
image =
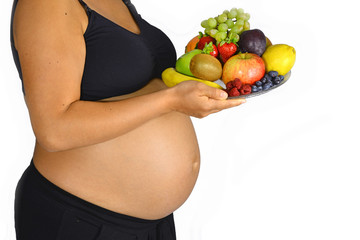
point(232, 14)
point(213, 32)
point(226, 12)
point(247, 16)
point(240, 11)
point(205, 24)
point(223, 27)
point(229, 23)
point(246, 26)
point(241, 16)
point(220, 36)
point(240, 22)
point(222, 18)
point(207, 31)
point(211, 22)
point(223, 35)
point(236, 29)
point(217, 38)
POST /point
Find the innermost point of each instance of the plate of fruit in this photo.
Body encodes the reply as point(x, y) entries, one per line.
point(229, 55)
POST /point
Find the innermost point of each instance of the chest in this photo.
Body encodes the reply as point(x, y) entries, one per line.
point(119, 61)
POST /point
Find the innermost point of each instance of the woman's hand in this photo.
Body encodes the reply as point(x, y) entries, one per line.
point(199, 100)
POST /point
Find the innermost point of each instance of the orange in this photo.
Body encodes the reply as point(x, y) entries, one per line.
point(192, 44)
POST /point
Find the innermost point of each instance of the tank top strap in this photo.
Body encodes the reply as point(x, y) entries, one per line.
point(85, 6)
point(131, 7)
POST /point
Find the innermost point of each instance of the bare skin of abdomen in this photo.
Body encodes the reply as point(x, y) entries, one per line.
point(147, 173)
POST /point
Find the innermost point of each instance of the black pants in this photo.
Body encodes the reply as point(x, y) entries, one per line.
point(44, 211)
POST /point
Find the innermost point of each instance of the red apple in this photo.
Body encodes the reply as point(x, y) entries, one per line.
point(248, 67)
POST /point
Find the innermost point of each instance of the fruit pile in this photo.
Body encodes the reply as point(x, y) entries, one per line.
point(227, 49)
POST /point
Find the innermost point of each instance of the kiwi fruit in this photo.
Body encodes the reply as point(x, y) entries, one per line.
point(206, 67)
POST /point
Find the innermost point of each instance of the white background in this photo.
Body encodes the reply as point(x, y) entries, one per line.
point(282, 166)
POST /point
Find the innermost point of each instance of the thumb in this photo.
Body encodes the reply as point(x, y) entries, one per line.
point(215, 93)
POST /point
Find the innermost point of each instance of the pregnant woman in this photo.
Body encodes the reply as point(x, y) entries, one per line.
point(116, 153)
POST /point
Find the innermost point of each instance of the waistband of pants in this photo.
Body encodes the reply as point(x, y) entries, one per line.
point(72, 202)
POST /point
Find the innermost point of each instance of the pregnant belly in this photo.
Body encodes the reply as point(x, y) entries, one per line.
point(147, 173)
point(154, 168)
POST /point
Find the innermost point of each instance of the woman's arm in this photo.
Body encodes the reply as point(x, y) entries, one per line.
point(51, 47)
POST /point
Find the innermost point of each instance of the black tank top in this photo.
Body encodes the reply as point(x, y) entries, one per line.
point(118, 61)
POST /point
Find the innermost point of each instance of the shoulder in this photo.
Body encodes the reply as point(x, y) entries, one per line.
point(49, 9)
point(36, 17)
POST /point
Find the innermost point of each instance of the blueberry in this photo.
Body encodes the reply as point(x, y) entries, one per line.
point(264, 79)
point(266, 86)
point(267, 76)
point(270, 83)
point(258, 83)
point(260, 88)
point(276, 80)
point(273, 73)
point(281, 78)
point(254, 88)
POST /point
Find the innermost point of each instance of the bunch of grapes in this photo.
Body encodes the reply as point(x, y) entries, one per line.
point(227, 26)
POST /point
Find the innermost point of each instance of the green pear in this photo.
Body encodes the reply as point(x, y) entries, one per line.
point(183, 63)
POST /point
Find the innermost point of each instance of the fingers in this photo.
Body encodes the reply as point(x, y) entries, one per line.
point(212, 92)
point(217, 99)
point(215, 106)
point(199, 100)
point(224, 104)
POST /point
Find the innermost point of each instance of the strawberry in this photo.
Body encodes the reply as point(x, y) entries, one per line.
point(211, 49)
point(226, 50)
point(203, 40)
